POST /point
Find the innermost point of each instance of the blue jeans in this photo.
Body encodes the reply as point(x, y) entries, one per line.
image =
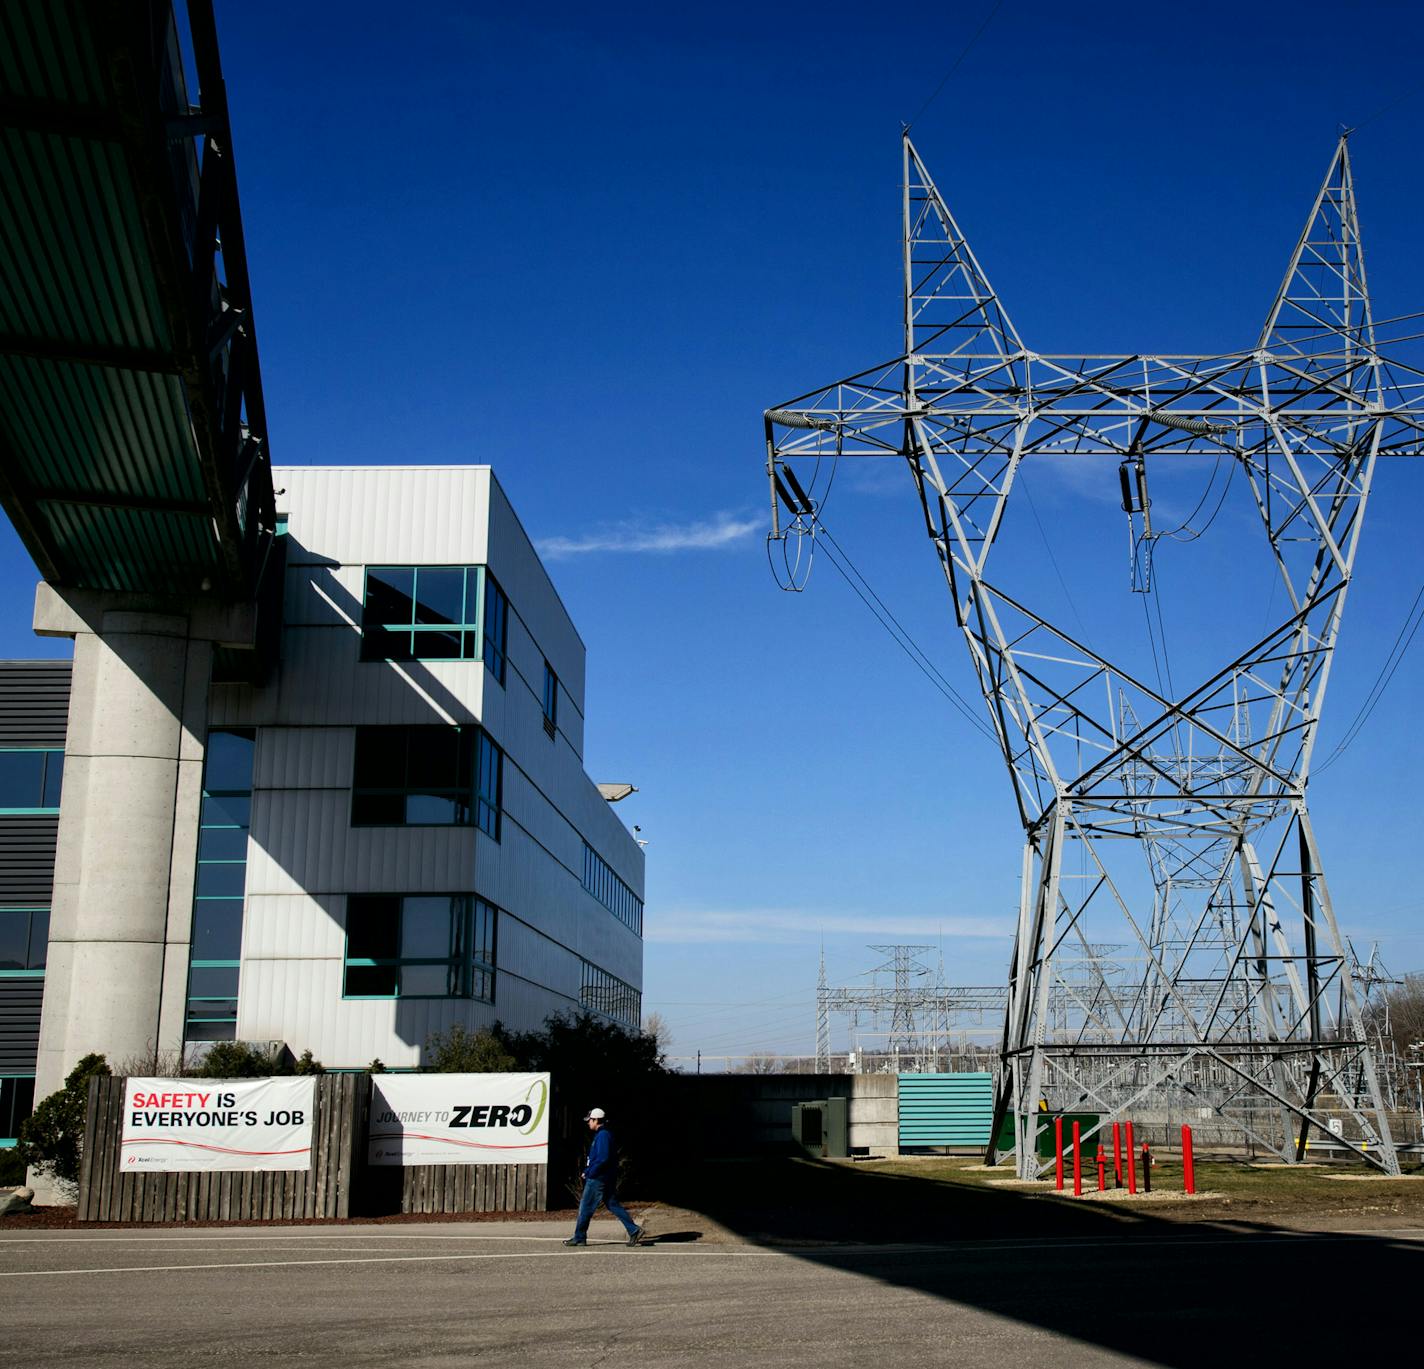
point(596, 1191)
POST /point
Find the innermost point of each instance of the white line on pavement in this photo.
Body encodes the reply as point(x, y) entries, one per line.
point(370, 1259)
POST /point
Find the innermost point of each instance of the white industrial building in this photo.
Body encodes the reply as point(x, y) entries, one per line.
point(392, 834)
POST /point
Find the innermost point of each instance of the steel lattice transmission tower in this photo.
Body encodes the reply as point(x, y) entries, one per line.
point(1175, 930)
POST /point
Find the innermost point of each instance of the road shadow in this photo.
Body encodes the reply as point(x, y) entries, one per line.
point(1121, 1279)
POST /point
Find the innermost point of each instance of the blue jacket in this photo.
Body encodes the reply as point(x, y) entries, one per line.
point(602, 1157)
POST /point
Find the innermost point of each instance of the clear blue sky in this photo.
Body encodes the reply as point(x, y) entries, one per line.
point(590, 244)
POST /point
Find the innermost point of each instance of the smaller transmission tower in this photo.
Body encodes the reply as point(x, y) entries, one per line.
point(923, 1013)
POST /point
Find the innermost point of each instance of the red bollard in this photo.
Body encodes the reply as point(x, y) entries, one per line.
point(1189, 1173)
point(1077, 1164)
point(1102, 1168)
point(1131, 1163)
point(1117, 1154)
point(1058, 1151)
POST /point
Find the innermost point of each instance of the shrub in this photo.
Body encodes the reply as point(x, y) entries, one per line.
point(239, 1060)
point(52, 1137)
point(377, 1066)
point(307, 1064)
point(459, 1051)
point(12, 1169)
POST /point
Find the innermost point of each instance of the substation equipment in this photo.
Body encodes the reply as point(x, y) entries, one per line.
point(1175, 935)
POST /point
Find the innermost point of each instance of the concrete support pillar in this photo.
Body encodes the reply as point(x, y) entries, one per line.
point(116, 979)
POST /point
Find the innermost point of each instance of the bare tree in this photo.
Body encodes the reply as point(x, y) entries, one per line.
point(656, 1026)
point(763, 1062)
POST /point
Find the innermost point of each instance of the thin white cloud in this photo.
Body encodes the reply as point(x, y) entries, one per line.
point(721, 530)
point(784, 926)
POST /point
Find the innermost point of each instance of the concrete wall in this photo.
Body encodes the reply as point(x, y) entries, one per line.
point(875, 1114)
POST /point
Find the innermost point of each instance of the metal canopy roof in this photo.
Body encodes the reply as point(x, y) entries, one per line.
point(133, 451)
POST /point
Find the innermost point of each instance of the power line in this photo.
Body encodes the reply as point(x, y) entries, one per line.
point(958, 61)
point(900, 635)
point(1391, 664)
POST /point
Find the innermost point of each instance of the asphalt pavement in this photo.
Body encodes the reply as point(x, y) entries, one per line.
point(511, 1294)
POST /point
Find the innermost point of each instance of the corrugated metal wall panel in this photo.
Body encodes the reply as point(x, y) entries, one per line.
point(34, 702)
point(304, 758)
point(390, 515)
point(19, 1024)
point(324, 595)
point(27, 859)
point(946, 1109)
point(294, 927)
point(302, 840)
point(323, 681)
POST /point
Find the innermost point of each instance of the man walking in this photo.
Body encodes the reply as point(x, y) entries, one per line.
point(600, 1181)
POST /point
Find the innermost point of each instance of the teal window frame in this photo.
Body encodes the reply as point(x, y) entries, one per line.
point(379, 630)
point(31, 970)
point(50, 753)
point(202, 1020)
point(470, 965)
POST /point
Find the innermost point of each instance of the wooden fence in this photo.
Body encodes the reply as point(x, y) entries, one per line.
point(109, 1193)
point(475, 1188)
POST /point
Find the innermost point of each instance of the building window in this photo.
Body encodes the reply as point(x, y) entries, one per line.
point(17, 1102)
point(30, 780)
point(420, 946)
point(24, 940)
point(223, 824)
point(414, 776)
point(609, 890)
point(609, 996)
point(496, 627)
point(551, 700)
point(489, 795)
point(426, 777)
point(434, 613)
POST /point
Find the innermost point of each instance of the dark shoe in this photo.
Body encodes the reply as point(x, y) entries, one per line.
point(637, 1234)
point(575, 1243)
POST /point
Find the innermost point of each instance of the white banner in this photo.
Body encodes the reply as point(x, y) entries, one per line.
point(459, 1119)
point(217, 1124)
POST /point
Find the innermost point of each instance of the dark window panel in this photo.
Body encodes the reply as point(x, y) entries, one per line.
point(384, 644)
point(228, 764)
point(21, 779)
point(222, 843)
point(225, 1030)
point(217, 929)
point(221, 880)
point(372, 927)
point(435, 810)
point(439, 595)
point(212, 981)
point(430, 644)
point(434, 758)
point(53, 779)
point(426, 927)
point(227, 810)
point(377, 981)
point(14, 939)
point(380, 758)
point(39, 938)
point(429, 981)
point(378, 810)
point(390, 596)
